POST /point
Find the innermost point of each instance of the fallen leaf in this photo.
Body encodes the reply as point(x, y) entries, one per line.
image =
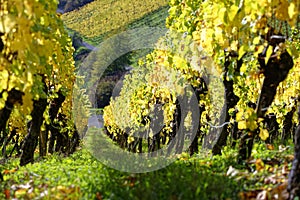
point(285, 170)
point(270, 146)
point(20, 192)
point(263, 195)
point(232, 171)
point(259, 164)
point(290, 158)
point(280, 191)
point(249, 195)
point(6, 171)
point(98, 196)
point(271, 180)
point(272, 161)
point(7, 193)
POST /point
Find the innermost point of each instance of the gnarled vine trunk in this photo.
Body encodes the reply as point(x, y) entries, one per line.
point(14, 96)
point(31, 140)
point(53, 127)
point(275, 71)
point(230, 101)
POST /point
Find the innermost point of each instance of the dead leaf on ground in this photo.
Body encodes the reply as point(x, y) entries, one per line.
point(7, 193)
point(98, 196)
point(270, 146)
point(10, 171)
point(259, 164)
point(279, 192)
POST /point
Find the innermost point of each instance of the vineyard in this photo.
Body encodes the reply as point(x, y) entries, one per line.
point(254, 50)
point(258, 65)
point(96, 24)
point(211, 112)
point(37, 77)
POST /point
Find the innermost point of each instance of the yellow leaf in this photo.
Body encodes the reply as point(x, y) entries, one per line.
point(260, 119)
point(222, 14)
point(239, 116)
point(20, 192)
point(3, 79)
point(233, 11)
point(29, 78)
point(291, 10)
point(252, 125)
point(242, 51)
point(259, 50)
point(292, 50)
point(2, 103)
point(242, 124)
point(7, 23)
point(263, 134)
point(256, 40)
point(243, 68)
point(269, 53)
point(270, 146)
point(234, 45)
point(4, 95)
point(259, 164)
point(196, 35)
point(130, 139)
point(42, 21)
point(27, 101)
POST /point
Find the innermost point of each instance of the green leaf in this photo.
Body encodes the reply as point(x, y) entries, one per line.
point(292, 50)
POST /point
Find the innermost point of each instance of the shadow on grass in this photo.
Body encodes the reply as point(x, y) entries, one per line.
point(177, 181)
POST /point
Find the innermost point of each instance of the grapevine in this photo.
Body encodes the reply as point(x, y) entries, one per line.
point(243, 38)
point(36, 68)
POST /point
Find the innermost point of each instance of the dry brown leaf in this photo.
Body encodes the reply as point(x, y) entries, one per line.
point(280, 192)
point(263, 195)
point(6, 171)
point(98, 196)
point(7, 193)
point(271, 180)
point(259, 164)
point(249, 195)
point(270, 146)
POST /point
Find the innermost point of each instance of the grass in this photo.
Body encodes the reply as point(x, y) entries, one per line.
point(81, 176)
point(103, 18)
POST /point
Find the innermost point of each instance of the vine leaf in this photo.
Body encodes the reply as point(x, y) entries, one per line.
point(242, 51)
point(268, 54)
point(256, 40)
point(242, 124)
point(263, 134)
point(7, 23)
point(233, 11)
point(291, 10)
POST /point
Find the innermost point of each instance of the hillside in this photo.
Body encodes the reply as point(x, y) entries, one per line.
point(103, 18)
point(212, 113)
point(69, 5)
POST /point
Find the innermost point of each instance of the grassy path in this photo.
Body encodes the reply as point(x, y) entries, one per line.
point(81, 176)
